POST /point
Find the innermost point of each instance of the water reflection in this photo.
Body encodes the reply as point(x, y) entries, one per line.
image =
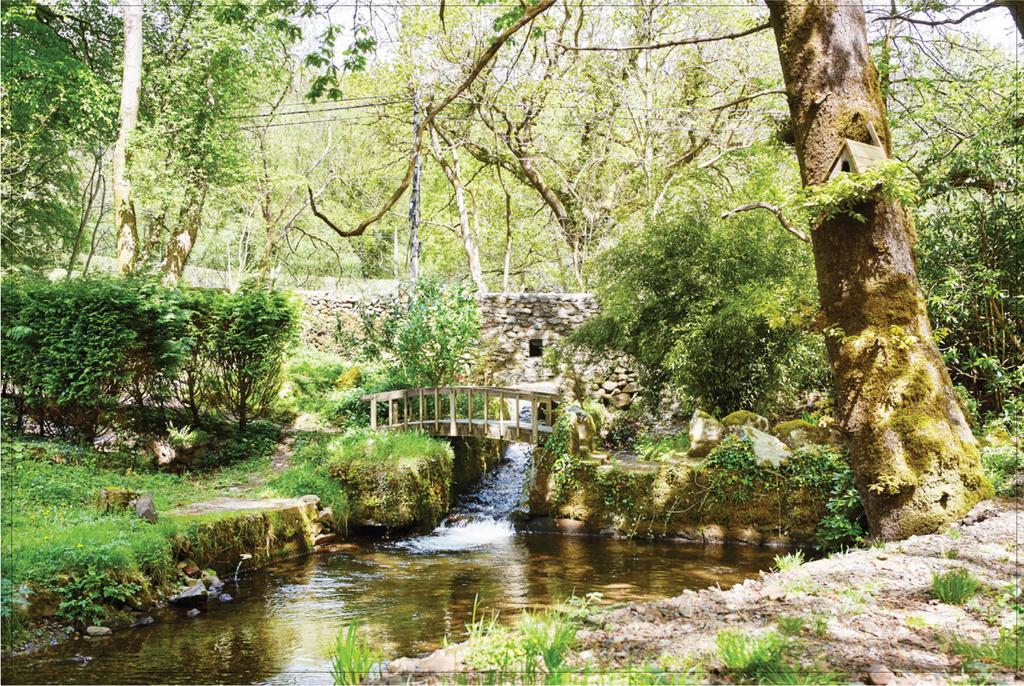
point(281, 626)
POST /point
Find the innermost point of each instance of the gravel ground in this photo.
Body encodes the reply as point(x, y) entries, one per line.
point(872, 606)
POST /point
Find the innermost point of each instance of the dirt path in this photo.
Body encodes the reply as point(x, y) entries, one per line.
point(282, 457)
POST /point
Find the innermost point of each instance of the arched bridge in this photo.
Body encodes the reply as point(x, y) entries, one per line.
point(506, 414)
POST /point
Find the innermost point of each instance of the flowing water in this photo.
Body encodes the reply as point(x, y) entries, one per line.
point(408, 595)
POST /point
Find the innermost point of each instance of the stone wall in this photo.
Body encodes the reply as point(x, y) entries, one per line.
point(517, 329)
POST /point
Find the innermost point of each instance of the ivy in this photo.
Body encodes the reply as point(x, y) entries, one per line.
point(889, 180)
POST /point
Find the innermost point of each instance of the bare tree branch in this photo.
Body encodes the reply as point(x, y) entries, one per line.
point(777, 211)
point(669, 44)
point(479, 65)
point(1016, 8)
point(740, 101)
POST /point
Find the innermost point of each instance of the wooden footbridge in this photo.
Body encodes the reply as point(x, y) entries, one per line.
point(506, 414)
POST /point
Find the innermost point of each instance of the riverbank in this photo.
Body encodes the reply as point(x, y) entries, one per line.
point(884, 614)
point(95, 541)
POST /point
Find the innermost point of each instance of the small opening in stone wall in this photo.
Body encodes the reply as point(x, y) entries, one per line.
point(536, 347)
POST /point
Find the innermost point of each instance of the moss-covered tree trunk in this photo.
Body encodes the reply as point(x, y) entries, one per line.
point(913, 452)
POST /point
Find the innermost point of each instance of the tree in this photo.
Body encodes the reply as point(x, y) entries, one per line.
point(125, 225)
point(913, 452)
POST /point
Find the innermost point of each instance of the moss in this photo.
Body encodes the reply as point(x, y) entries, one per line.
point(745, 418)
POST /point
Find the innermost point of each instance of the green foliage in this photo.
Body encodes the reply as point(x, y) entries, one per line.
point(889, 180)
point(427, 336)
point(353, 657)
point(955, 587)
point(791, 625)
point(330, 388)
point(250, 333)
point(1007, 650)
point(1003, 465)
point(307, 477)
point(85, 597)
point(75, 349)
point(789, 561)
point(715, 308)
point(842, 526)
point(756, 658)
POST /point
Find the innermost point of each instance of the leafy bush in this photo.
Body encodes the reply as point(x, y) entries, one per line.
point(1003, 465)
point(75, 349)
point(716, 308)
point(427, 336)
point(249, 335)
point(955, 587)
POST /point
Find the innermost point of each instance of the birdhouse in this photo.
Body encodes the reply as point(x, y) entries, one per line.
point(855, 157)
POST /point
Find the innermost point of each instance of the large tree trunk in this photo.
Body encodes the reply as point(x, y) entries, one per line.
point(915, 458)
point(125, 227)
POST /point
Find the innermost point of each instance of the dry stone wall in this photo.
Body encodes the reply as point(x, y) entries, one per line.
point(517, 329)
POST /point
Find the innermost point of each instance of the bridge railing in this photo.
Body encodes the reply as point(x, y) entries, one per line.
point(482, 411)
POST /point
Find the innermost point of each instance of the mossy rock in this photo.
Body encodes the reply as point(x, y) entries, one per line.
point(741, 418)
point(706, 432)
point(116, 499)
point(798, 433)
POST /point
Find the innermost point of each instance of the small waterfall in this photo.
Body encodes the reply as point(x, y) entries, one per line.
point(481, 517)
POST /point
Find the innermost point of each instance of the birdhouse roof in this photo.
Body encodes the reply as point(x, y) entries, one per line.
point(860, 155)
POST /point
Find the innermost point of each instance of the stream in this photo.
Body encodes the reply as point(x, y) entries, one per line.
point(407, 594)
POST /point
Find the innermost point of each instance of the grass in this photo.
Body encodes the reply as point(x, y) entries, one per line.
point(765, 659)
point(57, 539)
point(353, 657)
point(791, 625)
point(789, 561)
point(1007, 650)
point(955, 587)
point(306, 478)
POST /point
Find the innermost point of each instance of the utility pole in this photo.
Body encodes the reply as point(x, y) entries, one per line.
point(414, 198)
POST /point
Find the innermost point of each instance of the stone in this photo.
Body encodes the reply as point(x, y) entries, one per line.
point(741, 418)
point(767, 448)
point(225, 597)
point(798, 433)
point(142, 621)
point(190, 568)
point(193, 613)
point(438, 662)
point(325, 516)
point(145, 508)
point(97, 631)
point(194, 595)
point(705, 433)
point(212, 581)
point(879, 675)
point(310, 499)
point(622, 400)
point(324, 539)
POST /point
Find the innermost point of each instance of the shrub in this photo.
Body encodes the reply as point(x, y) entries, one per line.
point(955, 587)
point(716, 308)
point(1003, 465)
point(249, 335)
point(427, 336)
point(75, 349)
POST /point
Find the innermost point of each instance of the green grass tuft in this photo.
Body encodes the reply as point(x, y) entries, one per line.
point(789, 561)
point(955, 587)
point(353, 658)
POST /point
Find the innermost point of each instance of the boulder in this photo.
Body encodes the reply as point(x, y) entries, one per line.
point(705, 433)
point(193, 613)
point(212, 581)
point(326, 517)
point(798, 433)
point(741, 418)
point(767, 448)
point(146, 508)
point(193, 596)
point(96, 631)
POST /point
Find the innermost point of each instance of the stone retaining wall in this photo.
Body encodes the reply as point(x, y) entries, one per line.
point(517, 329)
